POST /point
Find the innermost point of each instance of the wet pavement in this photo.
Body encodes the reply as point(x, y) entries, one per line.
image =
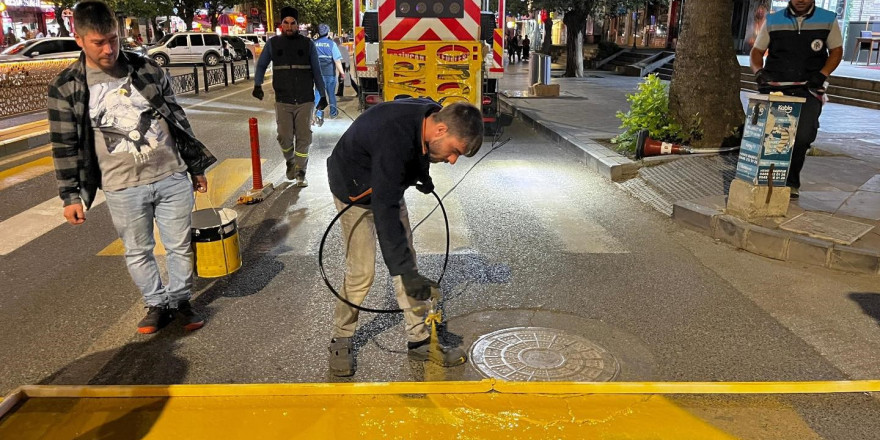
point(840, 177)
point(538, 240)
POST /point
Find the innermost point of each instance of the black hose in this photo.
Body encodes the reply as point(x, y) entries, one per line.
point(495, 146)
point(367, 309)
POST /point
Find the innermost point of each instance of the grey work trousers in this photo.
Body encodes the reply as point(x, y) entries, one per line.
point(359, 233)
point(294, 123)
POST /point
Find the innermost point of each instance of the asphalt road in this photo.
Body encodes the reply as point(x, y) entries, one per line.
point(537, 241)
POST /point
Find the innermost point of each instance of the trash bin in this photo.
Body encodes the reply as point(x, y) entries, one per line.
point(539, 69)
point(543, 68)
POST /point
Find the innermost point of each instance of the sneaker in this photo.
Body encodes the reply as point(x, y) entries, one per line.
point(157, 317)
point(442, 355)
point(191, 319)
point(301, 181)
point(341, 357)
point(795, 194)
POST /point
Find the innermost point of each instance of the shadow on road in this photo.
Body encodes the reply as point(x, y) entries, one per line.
point(869, 302)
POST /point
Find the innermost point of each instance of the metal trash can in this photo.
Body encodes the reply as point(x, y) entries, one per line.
point(539, 68)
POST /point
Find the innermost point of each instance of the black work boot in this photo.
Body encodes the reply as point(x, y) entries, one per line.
point(157, 317)
point(440, 354)
point(341, 357)
point(191, 319)
point(301, 181)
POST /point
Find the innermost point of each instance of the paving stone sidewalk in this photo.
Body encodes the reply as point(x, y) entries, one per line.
point(841, 177)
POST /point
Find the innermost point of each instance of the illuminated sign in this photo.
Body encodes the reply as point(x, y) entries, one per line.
point(27, 3)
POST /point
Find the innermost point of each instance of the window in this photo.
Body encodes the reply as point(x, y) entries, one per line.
point(69, 46)
point(43, 48)
point(212, 40)
point(180, 40)
point(196, 40)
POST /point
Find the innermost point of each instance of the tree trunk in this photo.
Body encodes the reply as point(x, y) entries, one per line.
point(575, 23)
point(706, 77)
point(548, 37)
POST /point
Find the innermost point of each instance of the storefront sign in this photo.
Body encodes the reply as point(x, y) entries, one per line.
point(26, 3)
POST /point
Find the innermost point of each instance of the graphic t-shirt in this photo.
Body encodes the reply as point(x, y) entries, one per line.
point(133, 143)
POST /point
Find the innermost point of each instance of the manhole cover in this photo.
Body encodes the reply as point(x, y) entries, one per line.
point(541, 354)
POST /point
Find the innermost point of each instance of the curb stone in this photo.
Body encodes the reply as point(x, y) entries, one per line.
point(772, 243)
point(594, 156)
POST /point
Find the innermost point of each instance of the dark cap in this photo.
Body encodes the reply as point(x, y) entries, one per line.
point(287, 11)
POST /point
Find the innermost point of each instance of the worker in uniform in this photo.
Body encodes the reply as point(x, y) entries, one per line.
point(296, 74)
point(803, 45)
point(330, 60)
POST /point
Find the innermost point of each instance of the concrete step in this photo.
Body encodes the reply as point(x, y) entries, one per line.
point(842, 90)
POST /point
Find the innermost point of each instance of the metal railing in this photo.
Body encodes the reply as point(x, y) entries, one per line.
point(24, 85)
point(211, 76)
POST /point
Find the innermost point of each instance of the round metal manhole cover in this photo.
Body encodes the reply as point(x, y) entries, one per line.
point(541, 354)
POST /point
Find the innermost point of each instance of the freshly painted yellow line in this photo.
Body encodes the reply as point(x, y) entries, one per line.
point(452, 387)
point(224, 181)
point(488, 409)
point(25, 172)
point(397, 416)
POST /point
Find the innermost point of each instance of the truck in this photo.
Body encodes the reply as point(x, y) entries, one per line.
point(445, 50)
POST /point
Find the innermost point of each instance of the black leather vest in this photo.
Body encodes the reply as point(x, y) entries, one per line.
point(292, 69)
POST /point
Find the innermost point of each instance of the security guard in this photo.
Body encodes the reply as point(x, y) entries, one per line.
point(803, 45)
point(296, 74)
point(330, 60)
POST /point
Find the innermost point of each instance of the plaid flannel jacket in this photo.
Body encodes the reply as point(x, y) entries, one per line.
point(73, 144)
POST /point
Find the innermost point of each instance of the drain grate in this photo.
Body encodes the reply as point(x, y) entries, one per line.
point(541, 354)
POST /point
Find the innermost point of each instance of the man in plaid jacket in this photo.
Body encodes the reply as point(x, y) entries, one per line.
point(115, 125)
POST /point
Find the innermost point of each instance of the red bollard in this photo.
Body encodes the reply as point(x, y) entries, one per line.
point(255, 155)
point(258, 192)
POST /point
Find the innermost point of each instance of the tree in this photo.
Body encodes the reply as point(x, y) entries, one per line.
point(186, 10)
point(315, 12)
point(144, 8)
point(705, 83)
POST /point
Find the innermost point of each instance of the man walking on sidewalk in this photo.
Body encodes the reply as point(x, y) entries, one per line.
point(115, 124)
point(296, 75)
point(385, 151)
point(804, 45)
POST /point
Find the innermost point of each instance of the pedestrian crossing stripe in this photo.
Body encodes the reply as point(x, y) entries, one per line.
point(25, 172)
point(224, 181)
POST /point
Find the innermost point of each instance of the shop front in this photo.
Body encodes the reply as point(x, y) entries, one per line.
point(26, 19)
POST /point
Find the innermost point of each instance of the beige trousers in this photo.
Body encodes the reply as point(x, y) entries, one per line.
point(359, 232)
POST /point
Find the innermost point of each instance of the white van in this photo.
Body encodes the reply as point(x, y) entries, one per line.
point(187, 47)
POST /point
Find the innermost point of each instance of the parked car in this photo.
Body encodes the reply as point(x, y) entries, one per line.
point(52, 47)
point(254, 38)
point(187, 47)
point(129, 44)
point(239, 47)
point(257, 43)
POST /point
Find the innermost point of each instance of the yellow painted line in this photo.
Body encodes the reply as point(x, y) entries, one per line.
point(26, 154)
point(25, 172)
point(224, 180)
point(450, 387)
point(846, 386)
point(488, 409)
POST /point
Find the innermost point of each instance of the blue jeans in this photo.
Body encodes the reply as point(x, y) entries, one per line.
point(170, 202)
point(330, 84)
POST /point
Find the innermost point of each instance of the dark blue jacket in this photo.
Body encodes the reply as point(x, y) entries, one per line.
point(296, 72)
point(382, 151)
point(797, 51)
